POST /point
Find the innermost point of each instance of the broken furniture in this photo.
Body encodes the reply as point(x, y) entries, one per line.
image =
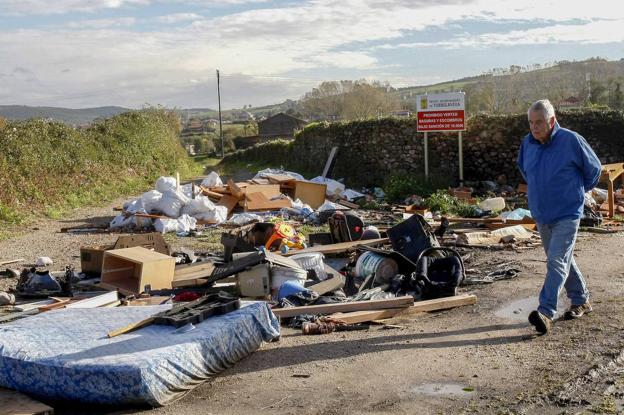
point(91, 257)
point(610, 173)
point(136, 270)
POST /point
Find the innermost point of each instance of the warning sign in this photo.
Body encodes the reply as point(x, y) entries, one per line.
point(441, 112)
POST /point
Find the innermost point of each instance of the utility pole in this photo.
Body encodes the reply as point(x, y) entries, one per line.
point(220, 122)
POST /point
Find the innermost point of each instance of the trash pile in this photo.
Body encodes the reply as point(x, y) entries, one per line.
point(174, 208)
point(139, 311)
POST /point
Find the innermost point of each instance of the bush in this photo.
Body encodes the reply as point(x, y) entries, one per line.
point(399, 187)
point(444, 203)
point(47, 163)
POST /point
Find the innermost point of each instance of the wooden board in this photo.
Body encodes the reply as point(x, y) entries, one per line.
point(269, 190)
point(311, 193)
point(440, 304)
point(259, 201)
point(330, 284)
point(235, 190)
point(15, 403)
point(399, 302)
point(363, 316)
point(279, 178)
point(192, 274)
point(229, 202)
point(338, 248)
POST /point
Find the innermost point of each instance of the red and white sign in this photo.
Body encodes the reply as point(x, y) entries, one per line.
point(441, 112)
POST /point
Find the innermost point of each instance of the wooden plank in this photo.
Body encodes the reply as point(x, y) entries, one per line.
point(235, 190)
point(131, 327)
point(279, 178)
point(259, 201)
point(440, 304)
point(338, 248)
point(311, 193)
point(12, 261)
point(15, 403)
point(348, 204)
point(97, 301)
point(229, 202)
point(363, 316)
point(210, 193)
point(399, 302)
point(330, 284)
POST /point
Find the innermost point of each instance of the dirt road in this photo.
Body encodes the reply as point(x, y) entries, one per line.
point(476, 359)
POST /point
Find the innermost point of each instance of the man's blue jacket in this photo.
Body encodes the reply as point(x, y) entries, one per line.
point(558, 174)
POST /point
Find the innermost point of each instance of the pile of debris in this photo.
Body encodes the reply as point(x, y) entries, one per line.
point(175, 208)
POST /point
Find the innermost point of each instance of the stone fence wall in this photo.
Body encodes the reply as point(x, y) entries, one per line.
point(371, 151)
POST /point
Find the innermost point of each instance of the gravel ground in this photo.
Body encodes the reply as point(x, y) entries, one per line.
point(475, 359)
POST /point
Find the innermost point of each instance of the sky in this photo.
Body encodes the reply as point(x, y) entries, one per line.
point(132, 53)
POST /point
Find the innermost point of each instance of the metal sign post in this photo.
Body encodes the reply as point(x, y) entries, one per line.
point(461, 158)
point(426, 150)
point(443, 113)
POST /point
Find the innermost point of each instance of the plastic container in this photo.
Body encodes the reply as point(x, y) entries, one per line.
point(290, 287)
point(280, 275)
point(370, 263)
point(494, 203)
point(312, 261)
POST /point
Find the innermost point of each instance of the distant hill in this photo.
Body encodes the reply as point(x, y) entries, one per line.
point(67, 115)
point(593, 82)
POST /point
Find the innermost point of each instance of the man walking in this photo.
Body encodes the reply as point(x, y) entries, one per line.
point(559, 167)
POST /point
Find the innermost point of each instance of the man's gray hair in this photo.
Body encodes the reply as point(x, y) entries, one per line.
point(544, 106)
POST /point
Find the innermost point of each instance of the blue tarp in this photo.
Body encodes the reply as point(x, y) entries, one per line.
point(65, 354)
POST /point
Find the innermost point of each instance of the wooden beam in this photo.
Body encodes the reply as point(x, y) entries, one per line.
point(338, 248)
point(15, 403)
point(330, 284)
point(440, 304)
point(399, 302)
point(364, 316)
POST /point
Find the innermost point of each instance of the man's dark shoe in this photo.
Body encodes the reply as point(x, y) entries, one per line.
point(577, 311)
point(542, 323)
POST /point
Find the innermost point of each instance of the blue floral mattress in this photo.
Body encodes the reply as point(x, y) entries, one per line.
point(65, 354)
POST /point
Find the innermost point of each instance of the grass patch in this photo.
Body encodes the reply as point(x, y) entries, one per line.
point(444, 203)
point(10, 215)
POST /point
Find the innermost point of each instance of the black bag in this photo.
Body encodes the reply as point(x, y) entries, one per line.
point(439, 276)
point(412, 236)
point(345, 227)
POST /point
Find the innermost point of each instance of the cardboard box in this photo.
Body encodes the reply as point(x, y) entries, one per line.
point(132, 270)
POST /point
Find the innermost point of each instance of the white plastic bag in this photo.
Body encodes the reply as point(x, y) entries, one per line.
point(134, 206)
point(201, 204)
point(120, 221)
point(165, 183)
point(150, 200)
point(182, 226)
point(217, 215)
point(266, 172)
point(187, 190)
point(212, 180)
point(172, 203)
point(334, 188)
point(241, 219)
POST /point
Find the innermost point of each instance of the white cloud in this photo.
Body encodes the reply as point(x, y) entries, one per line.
point(102, 23)
point(35, 7)
point(109, 63)
point(178, 17)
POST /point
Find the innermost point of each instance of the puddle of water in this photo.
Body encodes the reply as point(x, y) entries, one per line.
point(519, 310)
point(443, 389)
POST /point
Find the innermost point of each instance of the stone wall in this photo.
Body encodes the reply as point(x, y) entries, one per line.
point(371, 151)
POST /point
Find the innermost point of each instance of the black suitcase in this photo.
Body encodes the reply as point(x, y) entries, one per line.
point(345, 227)
point(412, 236)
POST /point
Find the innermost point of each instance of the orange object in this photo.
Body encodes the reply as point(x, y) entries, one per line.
point(280, 231)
